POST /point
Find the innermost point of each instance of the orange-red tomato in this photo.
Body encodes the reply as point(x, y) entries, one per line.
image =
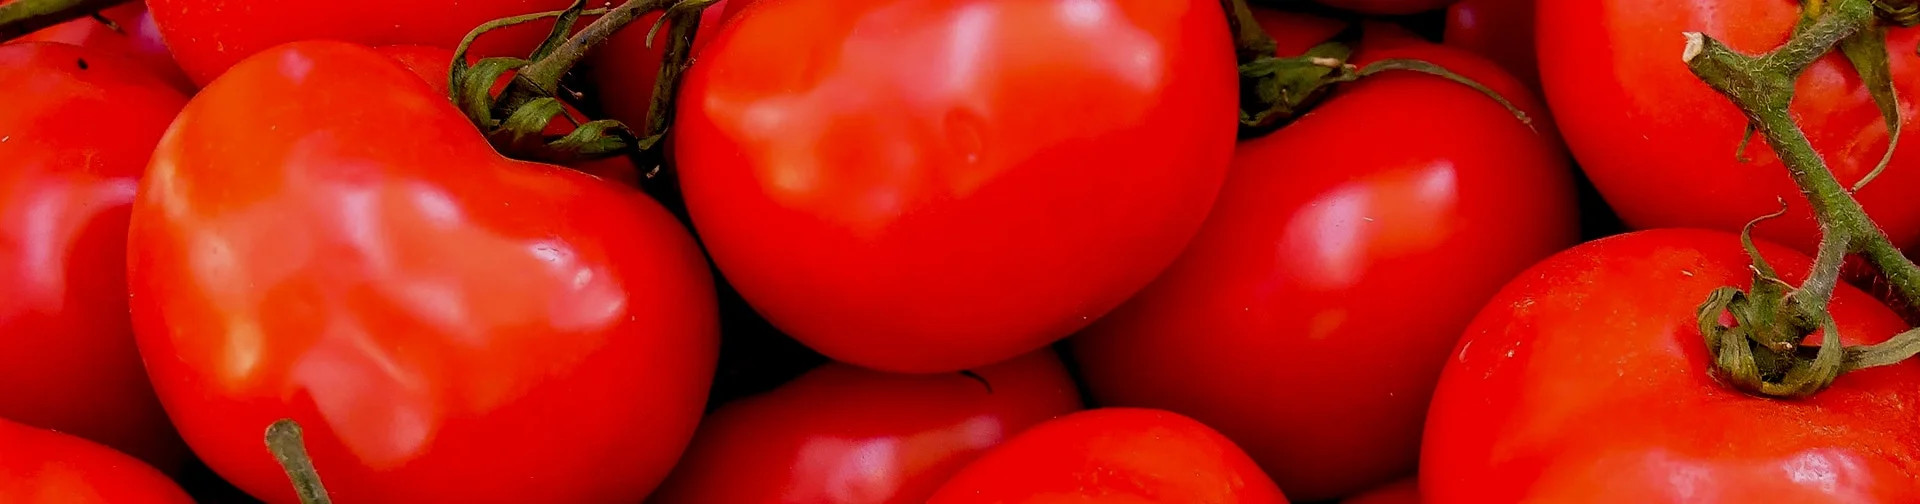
point(322, 237)
point(1501, 30)
point(1113, 456)
point(77, 129)
point(1585, 380)
point(40, 466)
point(925, 186)
point(1660, 145)
point(132, 33)
point(1357, 241)
point(207, 36)
point(846, 435)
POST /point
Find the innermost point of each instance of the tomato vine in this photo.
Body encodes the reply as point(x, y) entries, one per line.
point(1763, 352)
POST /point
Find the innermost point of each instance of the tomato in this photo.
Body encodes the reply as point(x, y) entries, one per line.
point(1502, 30)
point(438, 314)
point(934, 186)
point(1113, 455)
point(207, 36)
point(625, 68)
point(74, 138)
point(843, 434)
point(136, 37)
point(1659, 144)
point(1356, 241)
point(47, 467)
point(1405, 491)
point(1585, 380)
point(433, 64)
point(1391, 7)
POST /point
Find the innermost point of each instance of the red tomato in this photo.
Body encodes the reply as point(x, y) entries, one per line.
point(1502, 30)
point(933, 186)
point(1405, 491)
point(1659, 144)
point(433, 64)
point(1388, 6)
point(842, 434)
point(1116, 456)
point(47, 467)
point(207, 36)
point(74, 137)
point(1312, 252)
point(1585, 380)
point(137, 37)
point(625, 69)
point(438, 314)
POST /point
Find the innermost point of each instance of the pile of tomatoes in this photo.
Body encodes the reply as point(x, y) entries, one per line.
point(903, 251)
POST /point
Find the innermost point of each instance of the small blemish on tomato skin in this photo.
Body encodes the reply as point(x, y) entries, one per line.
point(82, 62)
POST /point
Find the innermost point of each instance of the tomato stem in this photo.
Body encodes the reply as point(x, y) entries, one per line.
point(22, 17)
point(289, 447)
point(515, 120)
point(1762, 86)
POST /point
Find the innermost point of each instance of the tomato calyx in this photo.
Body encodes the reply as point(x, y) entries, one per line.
point(515, 120)
point(1274, 89)
point(22, 17)
point(1763, 353)
point(289, 447)
point(1904, 13)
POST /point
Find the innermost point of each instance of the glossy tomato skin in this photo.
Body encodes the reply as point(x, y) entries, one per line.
point(1356, 241)
point(433, 64)
point(47, 467)
point(1405, 491)
point(1391, 7)
point(1501, 30)
point(207, 36)
point(847, 435)
point(933, 186)
point(75, 135)
point(1585, 380)
point(138, 38)
point(322, 237)
point(1113, 456)
point(1659, 144)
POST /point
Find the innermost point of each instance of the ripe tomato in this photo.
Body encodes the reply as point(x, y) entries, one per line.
point(1114, 455)
point(1388, 6)
point(1313, 252)
point(1501, 30)
point(136, 37)
point(1585, 380)
point(625, 68)
point(74, 137)
point(1659, 144)
point(47, 467)
point(433, 64)
point(207, 36)
point(322, 237)
point(1405, 491)
point(842, 434)
point(934, 186)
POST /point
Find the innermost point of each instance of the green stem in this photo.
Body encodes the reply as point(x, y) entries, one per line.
point(289, 447)
point(1763, 88)
point(22, 17)
point(541, 78)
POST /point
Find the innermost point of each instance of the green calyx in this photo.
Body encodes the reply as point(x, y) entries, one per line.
point(516, 120)
point(1275, 90)
point(1764, 352)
